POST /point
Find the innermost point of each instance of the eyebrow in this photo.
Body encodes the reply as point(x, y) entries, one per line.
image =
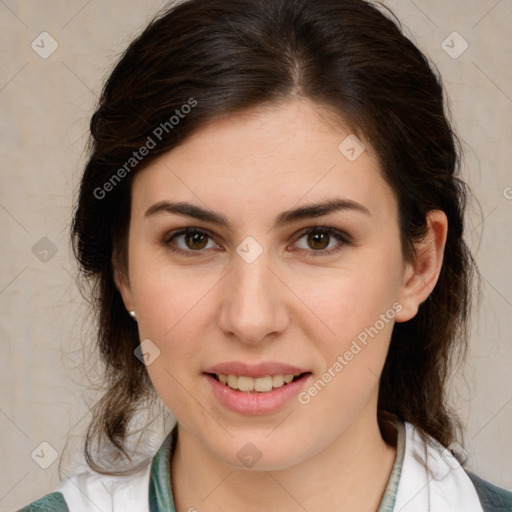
point(287, 217)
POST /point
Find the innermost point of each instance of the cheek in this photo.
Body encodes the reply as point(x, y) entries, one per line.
point(352, 341)
point(170, 298)
point(174, 312)
point(344, 304)
point(174, 317)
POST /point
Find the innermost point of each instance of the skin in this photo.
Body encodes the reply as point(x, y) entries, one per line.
point(287, 306)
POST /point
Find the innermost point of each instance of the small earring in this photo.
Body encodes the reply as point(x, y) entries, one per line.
point(133, 315)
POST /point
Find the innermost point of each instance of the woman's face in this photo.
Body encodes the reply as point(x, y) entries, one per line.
point(292, 266)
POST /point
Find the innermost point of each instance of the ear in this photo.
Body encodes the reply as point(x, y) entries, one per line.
point(123, 285)
point(421, 275)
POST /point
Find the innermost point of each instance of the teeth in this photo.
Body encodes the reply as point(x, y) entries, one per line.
point(260, 384)
point(277, 381)
point(263, 384)
point(233, 381)
point(245, 383)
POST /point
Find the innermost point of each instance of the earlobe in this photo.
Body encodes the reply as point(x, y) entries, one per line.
point(421, 275)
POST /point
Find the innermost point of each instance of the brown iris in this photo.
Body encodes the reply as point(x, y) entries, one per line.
point(196, 240)
point(318, 241)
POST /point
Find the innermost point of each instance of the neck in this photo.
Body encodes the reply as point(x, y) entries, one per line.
point(350, 474)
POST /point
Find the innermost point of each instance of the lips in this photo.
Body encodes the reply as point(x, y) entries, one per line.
point(255, 389)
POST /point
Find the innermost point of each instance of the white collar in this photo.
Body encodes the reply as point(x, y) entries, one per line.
point(91, 491)
point(444, 486)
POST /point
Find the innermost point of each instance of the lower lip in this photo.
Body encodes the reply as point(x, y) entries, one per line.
point(254, 403)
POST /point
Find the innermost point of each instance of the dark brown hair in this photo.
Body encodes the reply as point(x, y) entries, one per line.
point(226, 56)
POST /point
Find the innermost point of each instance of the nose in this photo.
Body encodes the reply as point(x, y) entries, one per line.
point(253, 306)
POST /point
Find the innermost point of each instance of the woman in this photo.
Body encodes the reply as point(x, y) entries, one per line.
point(272, 219)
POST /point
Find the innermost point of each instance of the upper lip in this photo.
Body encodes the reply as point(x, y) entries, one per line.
point(254, 370)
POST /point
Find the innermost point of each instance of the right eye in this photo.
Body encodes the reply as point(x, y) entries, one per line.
point(188, 241)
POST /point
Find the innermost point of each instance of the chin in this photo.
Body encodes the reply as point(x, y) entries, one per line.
point(258, 452)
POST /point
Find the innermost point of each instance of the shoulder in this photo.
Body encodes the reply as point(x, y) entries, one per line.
point(91, 490)
point(53, 502)
point(492, 498)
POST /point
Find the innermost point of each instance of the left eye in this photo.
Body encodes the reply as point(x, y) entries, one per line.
point(321, 240)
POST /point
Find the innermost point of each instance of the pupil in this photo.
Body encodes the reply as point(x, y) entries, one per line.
point(196, 241)
point(318, 241)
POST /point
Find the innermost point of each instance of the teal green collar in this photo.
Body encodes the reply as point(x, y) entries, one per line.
point(160, 492)
point(388, 499)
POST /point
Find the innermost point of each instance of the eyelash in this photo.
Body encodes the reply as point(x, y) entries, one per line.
point(343, 238)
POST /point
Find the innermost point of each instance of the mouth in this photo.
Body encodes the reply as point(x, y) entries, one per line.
point(260, 395)
point(258, 388)
point(264, 384)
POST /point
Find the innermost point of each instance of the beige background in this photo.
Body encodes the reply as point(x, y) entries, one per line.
point(45, 109)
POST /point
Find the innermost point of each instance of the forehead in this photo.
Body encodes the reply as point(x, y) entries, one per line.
point(262, 161)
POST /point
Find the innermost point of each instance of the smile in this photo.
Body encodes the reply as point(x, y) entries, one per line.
point(260, 395)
